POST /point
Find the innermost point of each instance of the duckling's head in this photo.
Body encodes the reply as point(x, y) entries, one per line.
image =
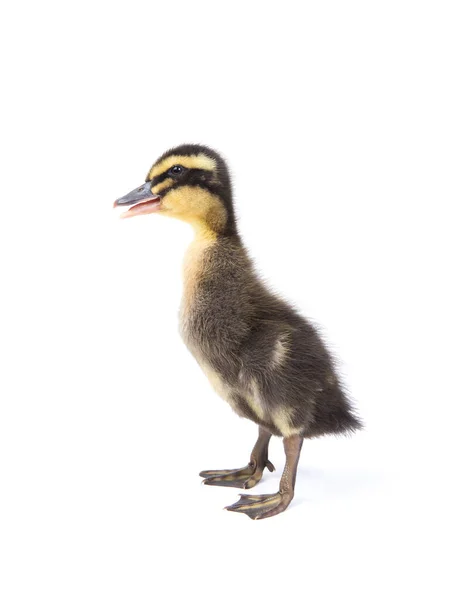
point(190, 182)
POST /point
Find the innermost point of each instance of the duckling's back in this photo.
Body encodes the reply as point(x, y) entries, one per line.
point(260, 355)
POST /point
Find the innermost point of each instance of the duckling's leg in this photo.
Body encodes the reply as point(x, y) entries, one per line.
point(249, 475)
point(268, 505)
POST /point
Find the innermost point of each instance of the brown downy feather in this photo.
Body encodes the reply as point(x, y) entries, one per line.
point(259, 353)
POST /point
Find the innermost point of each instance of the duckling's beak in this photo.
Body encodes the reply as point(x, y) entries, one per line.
point(140, 201)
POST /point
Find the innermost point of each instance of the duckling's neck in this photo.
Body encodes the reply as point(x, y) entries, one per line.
point(204, 277)
point(193, 267)
point(197, 263)
point(203, 231)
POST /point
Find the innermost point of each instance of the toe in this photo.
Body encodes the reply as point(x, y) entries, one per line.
point(216, 473)
point(251, 482)
point(225, 481)
point(256, 506)
point(230, 478)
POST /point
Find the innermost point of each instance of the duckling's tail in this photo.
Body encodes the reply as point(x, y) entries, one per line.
point(333, 414)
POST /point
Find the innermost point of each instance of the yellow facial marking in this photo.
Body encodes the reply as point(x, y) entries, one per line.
point(196, 161)
point(197, 206)
point(163, 185)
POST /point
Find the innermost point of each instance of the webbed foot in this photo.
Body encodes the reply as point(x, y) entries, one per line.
point(242, 478)
point(263, 506)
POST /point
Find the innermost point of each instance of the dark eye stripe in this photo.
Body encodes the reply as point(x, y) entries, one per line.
point(159, 178)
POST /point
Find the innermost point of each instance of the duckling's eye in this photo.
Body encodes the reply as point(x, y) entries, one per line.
point(176, 170)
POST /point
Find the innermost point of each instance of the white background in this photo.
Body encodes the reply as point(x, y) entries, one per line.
point(336, 120)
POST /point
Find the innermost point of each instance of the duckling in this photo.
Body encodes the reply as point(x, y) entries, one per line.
point(260, 355)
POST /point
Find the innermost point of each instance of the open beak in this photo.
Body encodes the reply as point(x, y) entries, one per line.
point(140, 201)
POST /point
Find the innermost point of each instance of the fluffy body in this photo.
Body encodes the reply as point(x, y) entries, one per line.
point(260, 355)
